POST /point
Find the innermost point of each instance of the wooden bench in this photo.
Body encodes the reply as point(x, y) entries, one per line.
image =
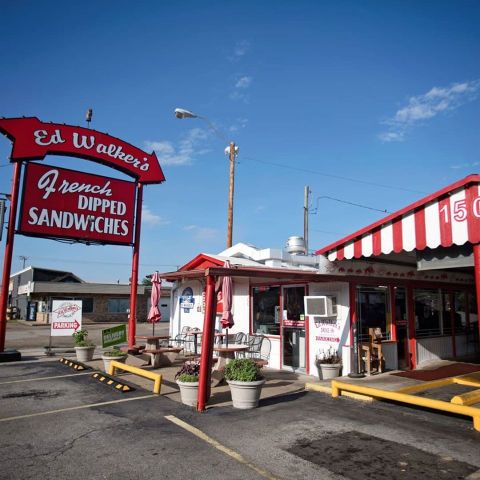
point(133, 350)
point(164, 356)
point(261, 362)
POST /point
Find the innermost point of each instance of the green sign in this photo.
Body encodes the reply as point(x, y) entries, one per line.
point(114, 336)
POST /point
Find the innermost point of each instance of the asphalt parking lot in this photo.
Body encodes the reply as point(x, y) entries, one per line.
point(56, 424)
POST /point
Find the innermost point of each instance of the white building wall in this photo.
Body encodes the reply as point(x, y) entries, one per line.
point(318, 333)
point(181, 317)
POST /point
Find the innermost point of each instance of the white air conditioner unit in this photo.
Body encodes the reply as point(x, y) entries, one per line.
point(321, 306)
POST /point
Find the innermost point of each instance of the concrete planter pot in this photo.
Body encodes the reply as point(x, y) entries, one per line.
point(107, 359)
point(326, 371)
point(85, 354)
point(246, 394)
point(188, 392)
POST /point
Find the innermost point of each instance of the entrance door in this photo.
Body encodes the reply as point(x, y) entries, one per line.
point(293, 328)
point(402, 328)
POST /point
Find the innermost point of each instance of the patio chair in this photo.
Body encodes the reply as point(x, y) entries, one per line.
point(240, 338)
point(182, 339)
point(372, 353)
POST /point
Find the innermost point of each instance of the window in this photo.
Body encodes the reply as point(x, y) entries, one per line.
point(373, 310)
point(266, 308)
point(87, 305)
point(293, 303)
point(118, 305)
point(428, 312)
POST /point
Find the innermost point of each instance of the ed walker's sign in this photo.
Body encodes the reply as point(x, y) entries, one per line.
point(61, 203)
point(33, 139)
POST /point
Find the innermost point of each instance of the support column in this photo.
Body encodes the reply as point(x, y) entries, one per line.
point(7, 259)
point(393, 313)
point(476, 259)
point(412, 343)
point(207, 345)
point(451, 299)
point(132, 321)
point(354, 335)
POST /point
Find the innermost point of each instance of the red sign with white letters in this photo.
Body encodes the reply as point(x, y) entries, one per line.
point(33, 139)
point(61, 203)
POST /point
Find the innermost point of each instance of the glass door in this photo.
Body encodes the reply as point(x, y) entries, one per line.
point(293, 328)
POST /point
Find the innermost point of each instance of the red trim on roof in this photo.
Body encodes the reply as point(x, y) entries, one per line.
point(201, 262)
point(390, 218)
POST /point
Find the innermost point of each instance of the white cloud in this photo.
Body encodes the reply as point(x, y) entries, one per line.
point(201, 233)
point(424, 107)
point(151, 218)
point(240, 50)
point(243, 82)
point(464, 165)
point(183, 153)
point(240, 123)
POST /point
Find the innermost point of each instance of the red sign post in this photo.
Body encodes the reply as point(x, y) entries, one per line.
point(61, 203)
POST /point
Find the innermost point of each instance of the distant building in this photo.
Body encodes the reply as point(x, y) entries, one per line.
point(32, 290)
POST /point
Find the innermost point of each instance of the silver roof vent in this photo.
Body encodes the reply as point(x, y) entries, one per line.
point(295, 246)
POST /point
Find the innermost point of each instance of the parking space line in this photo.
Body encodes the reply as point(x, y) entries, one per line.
point(231, 453)
point(79, 407)
point(35, 379)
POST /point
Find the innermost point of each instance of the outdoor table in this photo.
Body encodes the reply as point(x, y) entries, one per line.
point(195, 334)
point(152, 343)
point(227, 354)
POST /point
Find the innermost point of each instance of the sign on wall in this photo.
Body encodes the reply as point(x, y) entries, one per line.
point(187, 300)
point(66, 317)
point(61, 203)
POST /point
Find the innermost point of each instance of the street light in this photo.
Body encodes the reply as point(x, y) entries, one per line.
point(231, 151)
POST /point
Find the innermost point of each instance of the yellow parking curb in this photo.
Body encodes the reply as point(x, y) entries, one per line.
point(339, 388)
point(156, 377)
point(315, 387)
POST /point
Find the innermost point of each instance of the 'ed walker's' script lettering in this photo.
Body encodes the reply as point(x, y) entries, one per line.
point(88, 142)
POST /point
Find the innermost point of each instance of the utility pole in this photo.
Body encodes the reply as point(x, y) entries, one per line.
point(232, 151)
point(305, 217)
point(24, 259)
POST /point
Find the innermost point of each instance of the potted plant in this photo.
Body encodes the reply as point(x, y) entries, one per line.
point(113, 354)
point(243, 376)
point(328, 363)
point(84, 347)
point(187, 380)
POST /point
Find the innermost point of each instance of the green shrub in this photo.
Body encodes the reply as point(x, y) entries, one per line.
point(114, 352)
point(185, 377)
point(242, 370)
point(80, 339)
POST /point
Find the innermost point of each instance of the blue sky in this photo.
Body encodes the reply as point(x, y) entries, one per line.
point(371, 102)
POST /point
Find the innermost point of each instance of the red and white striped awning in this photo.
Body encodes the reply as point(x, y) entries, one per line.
point(448, 217)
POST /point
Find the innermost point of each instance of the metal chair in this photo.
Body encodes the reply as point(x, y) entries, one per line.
point(240, 338)
point(259, 349)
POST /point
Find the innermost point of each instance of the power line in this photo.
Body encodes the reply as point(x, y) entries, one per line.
point(329, 175)
point(314, 212)
point(92, 262)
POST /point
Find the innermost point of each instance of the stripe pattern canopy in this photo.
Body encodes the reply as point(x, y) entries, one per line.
point(448, 217)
